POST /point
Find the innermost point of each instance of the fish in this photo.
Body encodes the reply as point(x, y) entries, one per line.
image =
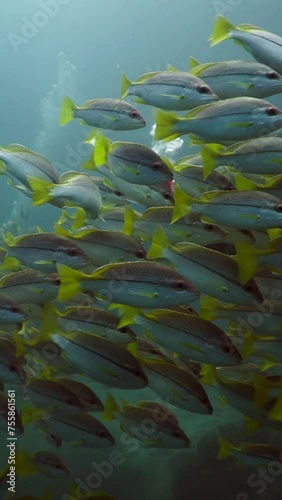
point(101, 359)
point(264, 46)
point(79, 430)
point(262, 320)
point(103, 247)
point(269, 283)
point(186, 335)
point(152, 428)
point(150, 196)
point(171, 90)
point(193, 181)
point(265, 348)
point(192, 367)
point(241, 395)
point(261, 156)
point(251, 259)
point(227, 121)
point(90, 401)
point(47, 463)
point(111, 196)
point(72, 190)
point(159, 409)
point(30, 286)
point(11, 312)
point(107, 113)
point(131, 161)
point(238, 78)
point(250, 454)
point(46, 354)
point(112, 219)
point(187, 228)
point(21, 163)
point(147, 349)
point(42, 251)
point(88, 319)
point(273, 186)
point(246, 210)
point(212, 272)
point(176, 386)
point(138, 284)
point(52, 395)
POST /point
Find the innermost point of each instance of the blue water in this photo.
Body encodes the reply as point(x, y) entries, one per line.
point(81, 48)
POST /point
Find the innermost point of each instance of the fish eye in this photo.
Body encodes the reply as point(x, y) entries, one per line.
point(226, 348)
point(13, 368)
point(177, 434)
point(140, 253)
point(57, 281)
point(180, 285)
point(134, 114)
point(272, 75)
point(250, 287)
point(123, 329)
point(14, 309)
point(204, 89)
point(271, 111)
point(166, 196)
point(102, 434)
point(73, 252)
point(156, 167)
point(154, 351)
point(118, 193)
point(210, 227)
point(204, 400)
point(278, 208)
point(59, 466)
point(138, 373)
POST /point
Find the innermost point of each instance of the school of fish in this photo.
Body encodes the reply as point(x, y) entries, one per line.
point(158, 274)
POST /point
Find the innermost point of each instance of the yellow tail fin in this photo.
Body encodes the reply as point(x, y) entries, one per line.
point(102, 146)
point(248, 262)
point(159, 243)
point(210, 153)
point(67, 112)
point(130, 217)
point(111, 407)
point(41, 190)
point(222, 29)
point(70, 282)
point(125, 87)
point(182, 204)
point(166, 126)
point(225, 449)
